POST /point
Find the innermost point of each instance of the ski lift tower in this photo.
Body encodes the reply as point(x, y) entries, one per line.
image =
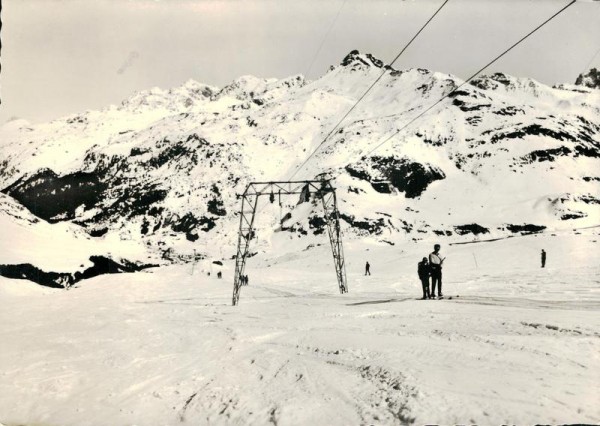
point(321, 189)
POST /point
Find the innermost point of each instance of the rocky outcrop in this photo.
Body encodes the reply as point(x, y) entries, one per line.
point(55, 198)
point(386, 173)
point(589, 79)
point(101, 265)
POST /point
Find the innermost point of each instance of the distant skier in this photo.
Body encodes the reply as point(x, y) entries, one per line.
point(246, 279)
point(423, 271)
point(543, 258)
point(219, 275)
point(367, 269)
point(435, 264)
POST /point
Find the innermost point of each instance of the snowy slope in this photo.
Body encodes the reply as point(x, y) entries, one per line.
point(165, 168)
point(59, 246)
point(519, 346)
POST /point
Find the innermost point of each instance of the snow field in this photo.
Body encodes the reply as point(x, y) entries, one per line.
point(164, 346)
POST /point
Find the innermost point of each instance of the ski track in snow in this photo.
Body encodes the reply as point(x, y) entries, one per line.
point(519, 345)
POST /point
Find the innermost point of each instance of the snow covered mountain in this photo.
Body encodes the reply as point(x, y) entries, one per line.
point(157, 179)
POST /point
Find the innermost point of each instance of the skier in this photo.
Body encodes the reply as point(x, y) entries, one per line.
point(543, 258)
point(367, 269)
point(435, 264)
point(219, 275)
point(423, 271)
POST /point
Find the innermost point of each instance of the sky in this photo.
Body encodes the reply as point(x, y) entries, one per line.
point(65, 56)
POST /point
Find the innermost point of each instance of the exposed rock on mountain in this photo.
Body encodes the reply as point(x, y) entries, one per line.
point(590, 79)
point(406, 176)
point(164, 170)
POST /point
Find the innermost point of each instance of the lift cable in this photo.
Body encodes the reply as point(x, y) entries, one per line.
point(365, 93)
point(470, 78)
point(448, 94)
point(325, 37)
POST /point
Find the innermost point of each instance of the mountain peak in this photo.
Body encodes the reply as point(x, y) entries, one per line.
point(501, 81)
point(590, 79)
point(185, 96)
point(355, 58)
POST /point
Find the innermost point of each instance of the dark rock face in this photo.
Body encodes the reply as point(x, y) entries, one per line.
point(189, 223)
point(525, 229)
point(131, 194)
point(406, 176)
point(215, 205)
point(355, 172)
point(56, 198)
point(546, 154)
point(132, 201)
point(588, 199)
point(413, 178)
point(354, 58)
point(25, 271)
point(573, 215)
point(466, 106)
point(535, 130)
point(509, 110)
point(373, 227)
point(101, 265)
point(489, 82)
point(317, 224)
point(473, 228)
point(590, 79)
point(98, 232)
point(175, 152)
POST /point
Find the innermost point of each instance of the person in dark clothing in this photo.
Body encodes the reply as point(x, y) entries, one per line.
point(435, 264)
point(423, 271)
point(543, 258)
point(367, 269)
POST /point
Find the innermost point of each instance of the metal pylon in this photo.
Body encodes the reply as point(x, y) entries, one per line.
point(245, 234)
point(332, 218)
point(321, 189)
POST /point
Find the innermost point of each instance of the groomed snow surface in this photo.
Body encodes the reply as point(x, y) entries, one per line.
point(520, 345)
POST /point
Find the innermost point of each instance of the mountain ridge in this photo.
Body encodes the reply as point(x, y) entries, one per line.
point(165, 169)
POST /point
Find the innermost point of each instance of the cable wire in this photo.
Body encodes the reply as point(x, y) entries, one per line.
point(324, 39)
point(366, 92)
point(470, 78)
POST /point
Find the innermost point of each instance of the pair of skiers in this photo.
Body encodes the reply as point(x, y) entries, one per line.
point(244, 279)
point(431, 268)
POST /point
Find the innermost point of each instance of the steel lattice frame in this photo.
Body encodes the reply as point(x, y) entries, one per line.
point(322, 189)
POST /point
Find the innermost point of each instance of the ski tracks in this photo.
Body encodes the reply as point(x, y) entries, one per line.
point(294, 384)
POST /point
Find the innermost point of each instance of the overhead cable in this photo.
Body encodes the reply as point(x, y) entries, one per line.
point(365, 93)
point(470, 78)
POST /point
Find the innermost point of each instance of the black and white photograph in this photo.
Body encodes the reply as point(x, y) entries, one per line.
point(299, 212)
